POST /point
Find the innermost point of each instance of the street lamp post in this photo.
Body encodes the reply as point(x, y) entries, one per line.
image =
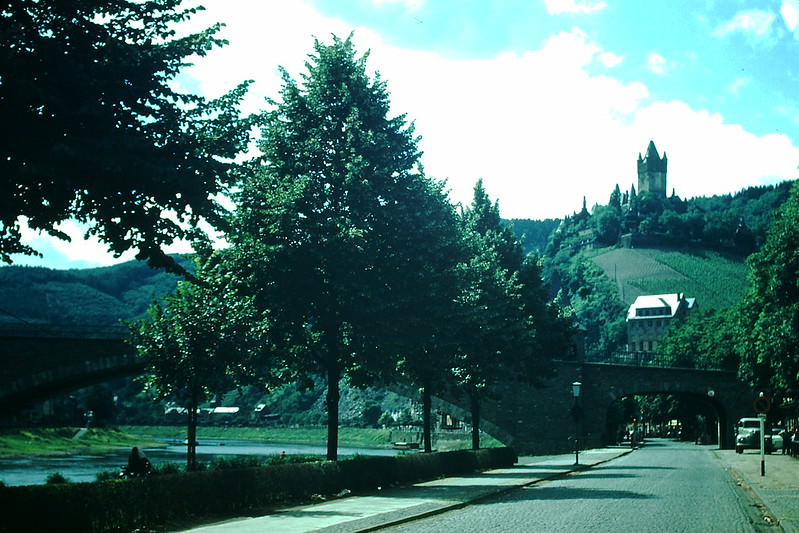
point(576, 413)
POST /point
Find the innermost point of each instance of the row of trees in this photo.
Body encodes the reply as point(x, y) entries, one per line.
point(347, 262)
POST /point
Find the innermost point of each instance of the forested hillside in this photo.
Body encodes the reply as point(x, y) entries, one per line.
point(598, 262)
point(533, 234)
point(93, 297)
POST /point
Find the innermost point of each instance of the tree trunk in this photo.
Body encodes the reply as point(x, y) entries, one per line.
point(332, 400)
point(191, 442)
point(427, 407)
point(474, 400)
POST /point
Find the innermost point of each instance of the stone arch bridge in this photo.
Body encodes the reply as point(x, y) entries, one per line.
point(36, 366)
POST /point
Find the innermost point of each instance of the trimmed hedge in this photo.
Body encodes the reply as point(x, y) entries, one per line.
point(127, 505)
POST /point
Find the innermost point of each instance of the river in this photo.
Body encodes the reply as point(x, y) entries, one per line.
point(81, 468)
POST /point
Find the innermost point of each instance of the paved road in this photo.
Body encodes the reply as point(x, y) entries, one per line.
point(664, 487)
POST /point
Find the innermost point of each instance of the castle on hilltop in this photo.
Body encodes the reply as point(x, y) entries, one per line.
point(652, 172)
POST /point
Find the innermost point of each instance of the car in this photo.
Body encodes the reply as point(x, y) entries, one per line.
point(747, 436)
point(776, 439)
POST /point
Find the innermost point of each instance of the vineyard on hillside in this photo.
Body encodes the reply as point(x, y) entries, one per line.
point(714, 280)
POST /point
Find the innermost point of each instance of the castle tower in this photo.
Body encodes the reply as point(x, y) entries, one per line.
point(652, 172)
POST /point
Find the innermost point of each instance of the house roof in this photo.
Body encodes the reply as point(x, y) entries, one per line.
point(659, 301)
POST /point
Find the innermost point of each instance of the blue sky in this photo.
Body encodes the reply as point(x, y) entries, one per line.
point(547, 101)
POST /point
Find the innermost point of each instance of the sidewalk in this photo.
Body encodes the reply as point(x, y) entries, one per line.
point(778, 490)
point(397, 505)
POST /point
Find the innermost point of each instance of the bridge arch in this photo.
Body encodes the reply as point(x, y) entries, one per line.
point(36, 368)
point(539, 420)
point(702, 420)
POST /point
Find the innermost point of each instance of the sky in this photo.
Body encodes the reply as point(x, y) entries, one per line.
point(547, 101)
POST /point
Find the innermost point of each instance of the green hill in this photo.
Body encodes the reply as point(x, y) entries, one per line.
point(715, 280)
point(86, 297)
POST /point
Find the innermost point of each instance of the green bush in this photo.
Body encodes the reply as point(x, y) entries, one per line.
point(127, 505)
point(56, 478)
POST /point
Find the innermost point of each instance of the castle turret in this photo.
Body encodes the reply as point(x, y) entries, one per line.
point(652, 172)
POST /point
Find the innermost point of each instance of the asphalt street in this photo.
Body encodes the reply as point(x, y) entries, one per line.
point(664, 487)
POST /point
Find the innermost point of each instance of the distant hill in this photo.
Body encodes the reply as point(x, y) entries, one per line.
point(715, 280)
point(533, 234)
point(86, 297)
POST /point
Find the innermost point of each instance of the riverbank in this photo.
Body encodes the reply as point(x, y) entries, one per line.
point(348, 436)
point(96, 441)
point(68, 441)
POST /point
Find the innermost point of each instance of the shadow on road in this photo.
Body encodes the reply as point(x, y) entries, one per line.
point(542, 492)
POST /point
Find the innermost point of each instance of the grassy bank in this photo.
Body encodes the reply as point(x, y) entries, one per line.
point(73, 441)
point(67, 441)
point(349, 437)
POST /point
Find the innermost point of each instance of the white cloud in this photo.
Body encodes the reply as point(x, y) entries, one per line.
point(656, 63)
point(556, 7)
point(790, 15)
point(609, 59)
point(756, 25)
point(708, 156)
point(736, 86)
point(411, 6)
point(536, 126)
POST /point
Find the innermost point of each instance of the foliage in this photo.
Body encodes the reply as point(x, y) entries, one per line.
point(502, 302)
point(332, 233)
point(594, 300)
point(733, 223)
point(99, 132)
point(704, 340)
point(56, 478)
point(767, 321)
point(203, 340)
point(533, 235)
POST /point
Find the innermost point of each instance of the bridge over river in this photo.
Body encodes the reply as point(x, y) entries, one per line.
point(36, 364)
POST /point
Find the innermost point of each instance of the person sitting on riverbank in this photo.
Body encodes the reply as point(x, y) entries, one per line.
point(138, 464)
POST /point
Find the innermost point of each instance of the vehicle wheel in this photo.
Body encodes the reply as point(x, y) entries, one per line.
point(739, 449)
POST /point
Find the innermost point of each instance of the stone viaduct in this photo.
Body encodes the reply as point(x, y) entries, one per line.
point(531, 419)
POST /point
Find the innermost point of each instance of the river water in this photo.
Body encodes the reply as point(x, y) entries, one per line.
point(80, 468)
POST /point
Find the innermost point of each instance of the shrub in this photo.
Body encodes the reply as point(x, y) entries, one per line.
point(56, 478)
point(108, 475)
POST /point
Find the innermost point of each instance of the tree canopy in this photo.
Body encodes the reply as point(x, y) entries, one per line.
point(95, 131)
point(337, 228)
point(203, 340)
point(769, 315)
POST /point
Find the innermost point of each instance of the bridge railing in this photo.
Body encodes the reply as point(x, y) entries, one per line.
point(639, 359)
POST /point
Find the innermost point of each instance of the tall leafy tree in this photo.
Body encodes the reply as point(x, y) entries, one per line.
point(94, 130)
point(425, 316)
point(769, 314)
point(333, 231)
point(552, 324)
point(493, 328)
point(509, 327)
point(203, 340)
